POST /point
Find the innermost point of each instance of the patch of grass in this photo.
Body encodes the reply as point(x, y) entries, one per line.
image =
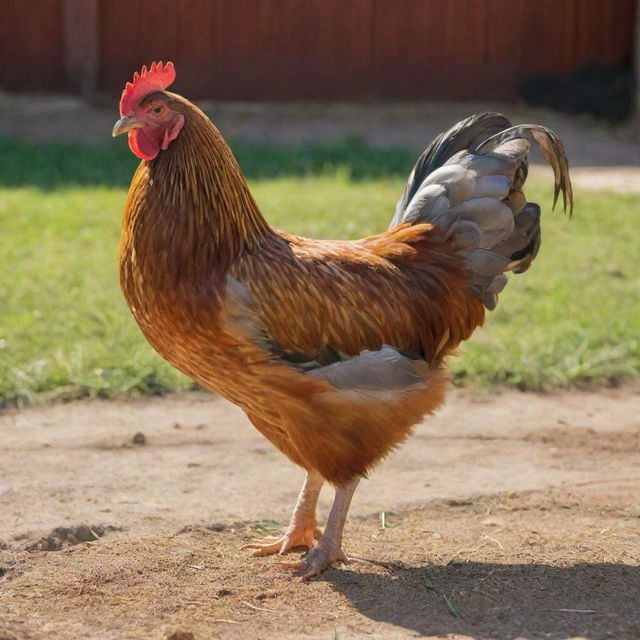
point(65, 330)
point(53, 166)
point(265, 527)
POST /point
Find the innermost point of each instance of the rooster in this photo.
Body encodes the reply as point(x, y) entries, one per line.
point(334, 349)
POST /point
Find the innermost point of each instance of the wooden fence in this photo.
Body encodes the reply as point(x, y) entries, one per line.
point(310, 49)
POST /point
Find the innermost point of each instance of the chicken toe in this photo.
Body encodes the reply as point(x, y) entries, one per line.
point(303, 529)
point(317, 560)
point(298, 534)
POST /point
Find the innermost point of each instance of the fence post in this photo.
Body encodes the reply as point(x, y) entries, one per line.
point(636, 63)
point(81, 52)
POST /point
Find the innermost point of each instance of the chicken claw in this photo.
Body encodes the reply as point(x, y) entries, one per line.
point(316, 561)
point(297, 535)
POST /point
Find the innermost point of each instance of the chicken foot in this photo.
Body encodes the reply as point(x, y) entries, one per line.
point(329, 548)
point(303, 528)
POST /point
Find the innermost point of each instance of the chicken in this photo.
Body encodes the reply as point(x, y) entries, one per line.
point(334, 349)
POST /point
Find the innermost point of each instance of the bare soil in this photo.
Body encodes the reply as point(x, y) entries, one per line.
point(508, 515)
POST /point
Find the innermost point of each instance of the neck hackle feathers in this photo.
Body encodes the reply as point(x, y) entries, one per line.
point(157, 78)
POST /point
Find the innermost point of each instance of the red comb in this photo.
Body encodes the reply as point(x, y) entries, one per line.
point(157, 78)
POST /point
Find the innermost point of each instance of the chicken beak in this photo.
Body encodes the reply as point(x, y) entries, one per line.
point(126, 124)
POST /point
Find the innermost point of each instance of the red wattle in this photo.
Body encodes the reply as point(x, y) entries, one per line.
point(143, 145)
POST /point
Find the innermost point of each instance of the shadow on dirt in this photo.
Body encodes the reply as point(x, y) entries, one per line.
point(501, 601)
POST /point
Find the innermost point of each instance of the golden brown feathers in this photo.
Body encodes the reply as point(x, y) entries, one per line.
point(255, 314)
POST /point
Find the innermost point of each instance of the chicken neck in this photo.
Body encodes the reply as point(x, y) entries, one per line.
point(190, 213)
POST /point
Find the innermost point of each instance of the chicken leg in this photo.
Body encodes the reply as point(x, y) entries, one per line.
point(303, 528)
point(329, 548)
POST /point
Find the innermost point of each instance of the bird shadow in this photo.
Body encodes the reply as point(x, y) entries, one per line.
point(500, 601)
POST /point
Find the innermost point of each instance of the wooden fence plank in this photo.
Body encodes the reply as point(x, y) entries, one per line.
point(312, 49)
point(31, 45)
point(81, 51)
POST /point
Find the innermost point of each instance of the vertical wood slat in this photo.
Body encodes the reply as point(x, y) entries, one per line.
point(81, 51)
point(318, 49)
point(31, 45)
point(637, 62)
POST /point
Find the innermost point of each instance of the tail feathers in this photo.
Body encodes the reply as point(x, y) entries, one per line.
point(466, 135)
point(551, 148)
point(469, 184)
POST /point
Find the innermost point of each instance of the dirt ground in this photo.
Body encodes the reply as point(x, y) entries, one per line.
point(509, 515)
point(601, 156)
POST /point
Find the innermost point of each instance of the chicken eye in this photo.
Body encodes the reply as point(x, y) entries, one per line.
point(157, 109)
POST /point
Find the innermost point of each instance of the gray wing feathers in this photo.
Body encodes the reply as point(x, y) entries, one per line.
point(468, 183)
point(375, 371)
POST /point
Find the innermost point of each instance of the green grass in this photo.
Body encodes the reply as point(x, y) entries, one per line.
point(65, 331)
